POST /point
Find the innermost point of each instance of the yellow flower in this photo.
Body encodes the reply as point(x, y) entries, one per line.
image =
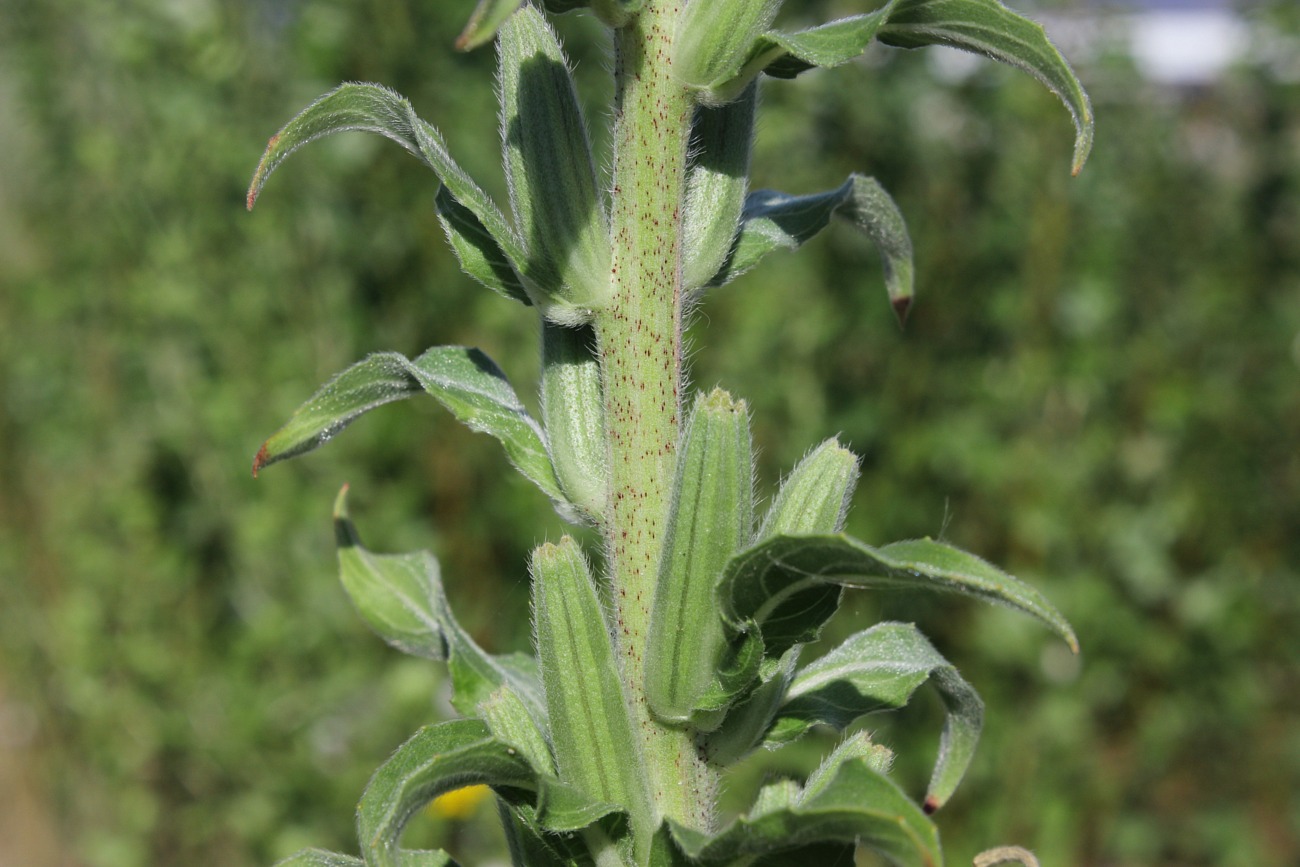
point(458, 804)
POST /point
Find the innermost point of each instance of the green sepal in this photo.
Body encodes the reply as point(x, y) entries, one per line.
point(573, 410)
point(450, 755)
point(815, 497)
point(511, 721)
point(408, 858)
point(373, 108)
point(879, 669)
point(989, 28)
point(857, 746)
point(762, 586)
point(715, 37)
point(716, 180)
point(858, 805)
point(479, 254)
point(463, 380)
point(590, 725)
point(746, 723)
point(400, 596)
point(558, 208)
point(709, 519)
point(775, 220)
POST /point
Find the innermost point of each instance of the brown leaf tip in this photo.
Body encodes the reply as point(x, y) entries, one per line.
point(902, 306)
point(260, 460)
point(931, 805)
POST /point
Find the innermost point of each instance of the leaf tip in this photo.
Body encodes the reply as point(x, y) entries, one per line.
point(259, 176)
point(931, 805)
point(261, 459)
point(902, 306)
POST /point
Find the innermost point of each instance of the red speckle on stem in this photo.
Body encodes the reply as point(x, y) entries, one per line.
point(260, 460)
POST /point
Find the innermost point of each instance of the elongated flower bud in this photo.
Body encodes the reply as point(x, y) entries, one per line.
point(714, 38)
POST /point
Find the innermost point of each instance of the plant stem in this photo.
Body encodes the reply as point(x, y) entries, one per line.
point(640, 347)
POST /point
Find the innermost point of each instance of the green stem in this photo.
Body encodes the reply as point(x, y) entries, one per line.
point(640, 347)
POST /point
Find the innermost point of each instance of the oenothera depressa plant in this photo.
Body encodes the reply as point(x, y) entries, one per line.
point(674, 651)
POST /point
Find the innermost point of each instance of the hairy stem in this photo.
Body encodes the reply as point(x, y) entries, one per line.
point(640, 346)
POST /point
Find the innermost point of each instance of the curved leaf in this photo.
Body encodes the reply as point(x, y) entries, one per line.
point(879, 669)
point(479, 254)
point(322, 858)
point(450, 755)
point(484, 21)
point(463, 380)
point(765, 584)
point(858, 805)
point(401, 597)
point(373, 108)
point(775, 220)
point(989, 28)
point(748, 721)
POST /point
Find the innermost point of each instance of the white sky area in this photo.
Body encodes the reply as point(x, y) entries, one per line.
point(1172, 42)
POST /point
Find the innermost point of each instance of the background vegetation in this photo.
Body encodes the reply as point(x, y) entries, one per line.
point(1099, 389)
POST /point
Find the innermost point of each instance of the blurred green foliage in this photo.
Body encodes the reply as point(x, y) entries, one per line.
point(1099, 389)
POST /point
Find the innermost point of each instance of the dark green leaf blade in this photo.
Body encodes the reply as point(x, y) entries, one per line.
point(479, 254)
point(764, 584)
point(858, 805)
point(786, 55)
point(879, 669)
point(774, 220)
point(376, 109)
point(989, 28)
point(401, 597)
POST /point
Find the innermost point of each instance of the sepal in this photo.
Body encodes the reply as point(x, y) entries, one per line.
point(716, 179)
point(558, 208)
point(715, 37)
point(573, 410)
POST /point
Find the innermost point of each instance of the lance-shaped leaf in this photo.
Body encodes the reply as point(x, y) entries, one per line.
point(479, 254)
point(879, 669)
point(710, 518)
point(400, 596)
point(591, 729)
point(573, 409)
point(989, 28)
point(549, 167)
point(372, 108)
point(322, 858)
point(714, 38)
point(463, 380)
point(775, 220)
point(762, 585)
point(786, 55)
point(716, 180)
point(858, 805)
point(511, 721)
point(447, 756)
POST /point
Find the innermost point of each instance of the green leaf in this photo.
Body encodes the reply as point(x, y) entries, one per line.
point(989, 28)
point(762, 584)
point(716, 180)
point(616, 13)
point(775, 220)
point(551, 173)
point(856, 746)
point(748, 721)
point(479, 254)
point(322, 858)
point(573, 408)
point(591, 729)
point(815, 497)
point(372, 108)
point(785, 55)
point(879, 669)
point(714, 38)
point(463, 380)
point(484, 21)
point(711, 516)
point(401, 597)
point(858, 806)
point(511, 721)
point(447, 756)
